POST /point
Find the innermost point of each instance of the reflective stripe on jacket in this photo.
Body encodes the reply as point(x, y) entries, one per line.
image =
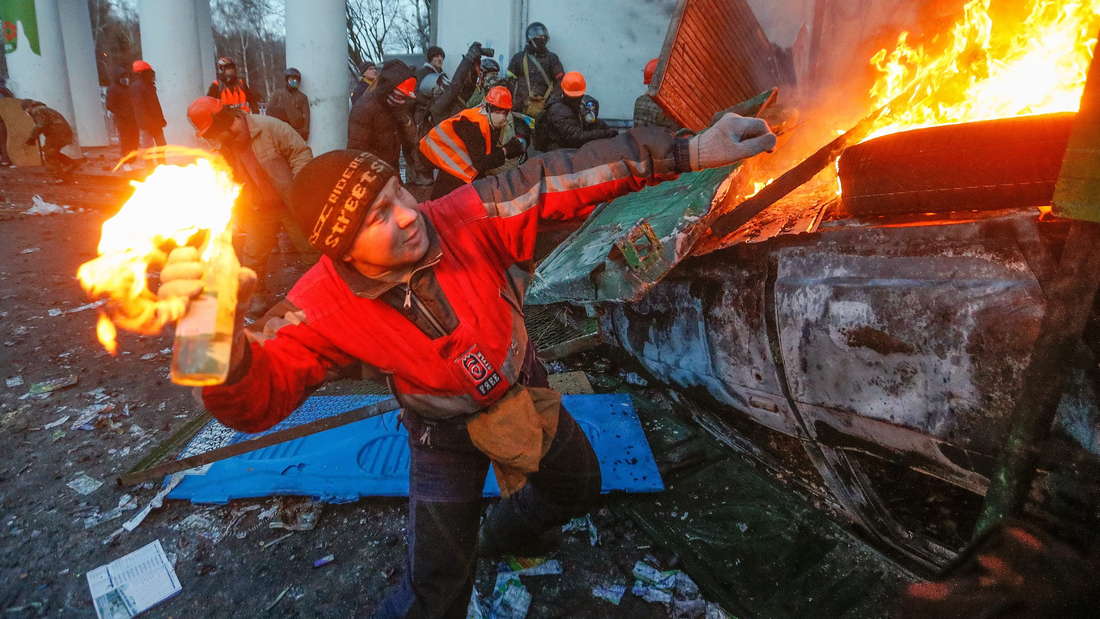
point(461, 342)
point(235, 97)
point(444, 148)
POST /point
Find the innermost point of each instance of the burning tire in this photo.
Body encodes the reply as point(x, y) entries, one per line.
point(994, 164)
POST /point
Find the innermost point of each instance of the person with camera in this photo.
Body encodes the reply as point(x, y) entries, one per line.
point(454, 96)
point(431, 295)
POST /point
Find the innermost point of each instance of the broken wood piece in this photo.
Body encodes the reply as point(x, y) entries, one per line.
point(273, 438)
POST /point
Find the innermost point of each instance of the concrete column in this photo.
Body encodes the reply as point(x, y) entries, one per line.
point(206, 41)
point(37, 66)
point(316, 43)
point(170, 43)
point(76, 29)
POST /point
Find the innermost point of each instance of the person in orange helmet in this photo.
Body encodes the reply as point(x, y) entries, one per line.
point(231, 89)
point(466, 146)
point(646, 111)
point(563, 125)
point(265, 154)
point(147, 110)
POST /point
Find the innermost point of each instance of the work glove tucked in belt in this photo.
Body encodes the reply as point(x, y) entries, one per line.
point(516, 432)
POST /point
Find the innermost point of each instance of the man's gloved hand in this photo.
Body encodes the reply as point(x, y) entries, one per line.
point(730, 140)
point(474, 53)
point(515, 147)
point(183, 273)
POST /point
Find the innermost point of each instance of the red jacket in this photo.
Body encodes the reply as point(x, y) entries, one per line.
point(453, 341)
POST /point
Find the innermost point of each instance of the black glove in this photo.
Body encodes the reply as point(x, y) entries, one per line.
point(515, 147)
point(474, 53)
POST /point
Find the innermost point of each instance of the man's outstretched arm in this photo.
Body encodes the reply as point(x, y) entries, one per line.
point(564, 185)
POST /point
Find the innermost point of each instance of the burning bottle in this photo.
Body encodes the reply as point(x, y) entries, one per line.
point(204, 336)
point(173, 206)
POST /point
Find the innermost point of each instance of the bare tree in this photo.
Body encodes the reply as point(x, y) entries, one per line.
point(373, 26)
point(252, 33)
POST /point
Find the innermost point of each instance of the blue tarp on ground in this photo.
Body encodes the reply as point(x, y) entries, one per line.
point(371, 457)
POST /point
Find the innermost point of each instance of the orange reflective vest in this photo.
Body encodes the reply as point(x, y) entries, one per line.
point(448, 152)
point(233, 97)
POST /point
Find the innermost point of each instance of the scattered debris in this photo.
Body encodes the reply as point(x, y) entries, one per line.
point(277, 599)
point(612, 593)
point(155, 503)
point(297, 514)
point(147, 356)
point(582, 525)
point(41, 207)
point(54, 384)
point(634, 379)
point(86, 306)
point(524, 566)
point(510, 599)
point(133, 583)
point(53, 424)
point(29, 250)
point(14, 381)
point(125, 503)
point(266, 545)
point(83, 484)
point(673, 588)
point(86, 419)
point(201, 525)
point(325, 560)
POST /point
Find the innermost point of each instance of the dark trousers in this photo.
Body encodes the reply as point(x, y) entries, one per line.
point(128, 136)
point(157, 136)
point(446, 477)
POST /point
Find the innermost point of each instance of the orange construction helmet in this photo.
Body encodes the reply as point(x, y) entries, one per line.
point(201, 113)
point(572, 84)
point(650, 69)
point(141, 65)
point(499, 96)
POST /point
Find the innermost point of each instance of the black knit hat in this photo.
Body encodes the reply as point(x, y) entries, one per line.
point(331, 196)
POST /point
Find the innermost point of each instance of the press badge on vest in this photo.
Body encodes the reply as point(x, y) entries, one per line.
point(479, 370)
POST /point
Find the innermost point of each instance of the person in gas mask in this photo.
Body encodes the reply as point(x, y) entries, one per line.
point(489, 77)
point(536, 71)
point(381, 122)
point(230, 89)
point(290, 104)
point(566, 122)
point(468, 145)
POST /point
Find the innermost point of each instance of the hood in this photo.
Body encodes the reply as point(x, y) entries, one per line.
point(393, 72)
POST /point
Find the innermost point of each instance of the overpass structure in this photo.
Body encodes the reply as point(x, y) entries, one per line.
point(50, 53)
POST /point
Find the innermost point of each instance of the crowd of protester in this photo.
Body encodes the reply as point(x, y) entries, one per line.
point(446, 130)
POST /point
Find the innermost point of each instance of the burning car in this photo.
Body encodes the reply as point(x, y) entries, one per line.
point(867, 333)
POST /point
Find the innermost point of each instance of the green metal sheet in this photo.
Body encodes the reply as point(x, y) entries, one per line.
point(628, 244)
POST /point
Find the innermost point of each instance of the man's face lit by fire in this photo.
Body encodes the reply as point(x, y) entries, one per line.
point(393, 235)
